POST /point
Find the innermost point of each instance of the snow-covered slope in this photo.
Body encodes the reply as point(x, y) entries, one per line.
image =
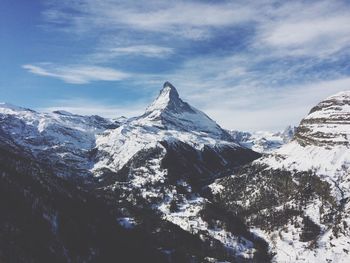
point(152, 169)
point(263, 141)
point(321, 143)
point(60, 138)
point(298, 196)
point(163, 159)
point(167, 119)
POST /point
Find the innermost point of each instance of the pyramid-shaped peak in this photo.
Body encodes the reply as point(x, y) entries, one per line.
point(167, 84)
point(171, 112)
point(168, 99)
point(169, 90)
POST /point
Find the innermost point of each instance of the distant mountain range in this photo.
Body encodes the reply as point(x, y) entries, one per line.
point(263, 141)
point(171, 185)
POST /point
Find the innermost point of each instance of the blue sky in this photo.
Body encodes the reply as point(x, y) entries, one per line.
point(250, 65)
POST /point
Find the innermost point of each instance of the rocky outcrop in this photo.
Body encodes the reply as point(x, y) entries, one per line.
point(297, 197)
point(327, 124)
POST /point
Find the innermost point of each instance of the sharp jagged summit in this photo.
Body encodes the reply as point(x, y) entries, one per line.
point(171, 112)
point(168, 100)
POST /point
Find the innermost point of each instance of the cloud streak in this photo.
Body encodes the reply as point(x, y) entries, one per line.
point(184, 18)
point(307, 29)
point(109, 53)
point(76, 74)
point(295, 25)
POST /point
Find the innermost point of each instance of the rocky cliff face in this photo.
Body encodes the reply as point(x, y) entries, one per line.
point(327, 123)
point(297, 197)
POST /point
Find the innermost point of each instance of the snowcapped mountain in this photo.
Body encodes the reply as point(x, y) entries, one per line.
point(169, 122)
point(263, 141)
point(149, 180)
point(151, 171)
point(321, 142)
point(172, 152)
point(171, 113)
point(299, 194)
point(60, 138)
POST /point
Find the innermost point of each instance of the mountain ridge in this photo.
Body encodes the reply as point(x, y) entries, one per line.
point(190, 187)
point(299, 193)
point(263, 141)
point(151, 171)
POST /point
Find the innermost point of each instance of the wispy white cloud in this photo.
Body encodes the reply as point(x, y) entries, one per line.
point(188, 19)
point(92, 107)
point(109, 53)
point(143, 50)
point(255, 108)
point(299, 28)
point(76, 74)
point(312, 28)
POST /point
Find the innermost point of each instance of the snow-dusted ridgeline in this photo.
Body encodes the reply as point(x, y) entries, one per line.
point(60, 138)
point(263, 141)
point(299, 194)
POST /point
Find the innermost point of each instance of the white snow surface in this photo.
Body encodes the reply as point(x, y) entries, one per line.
point(56, 136)
point(168, 119)
point(328, 153)
point(189, 219)
point(331, 164)
point(127, 222)
point(322, 147)
point(124, 142)
point(263, 141)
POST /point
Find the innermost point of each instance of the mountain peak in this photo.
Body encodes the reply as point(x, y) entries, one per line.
point(168, 100)
point(170, 111)
point(168, 88)
point(168, 93)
